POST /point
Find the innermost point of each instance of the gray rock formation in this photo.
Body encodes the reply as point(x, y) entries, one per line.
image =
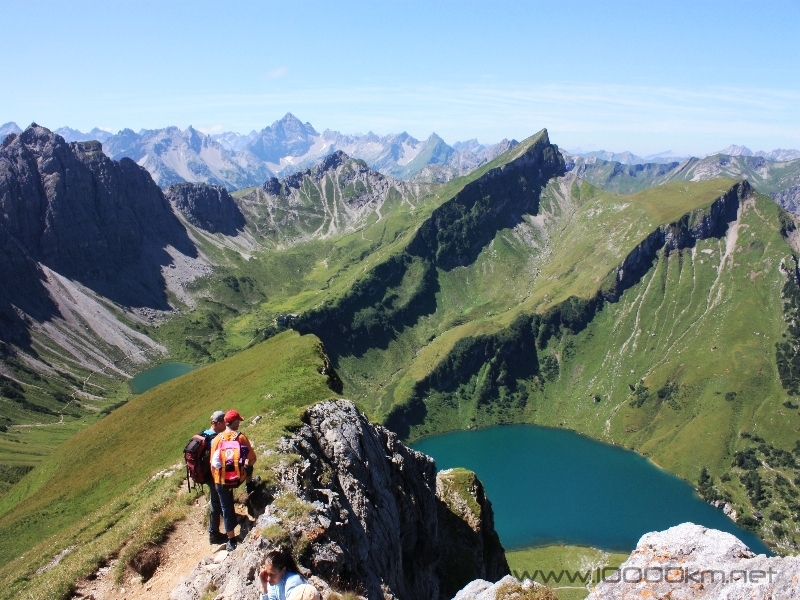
point(360, 510)
point(692, 562)
point(507, 588)
point(209, 207)
point(466, 520)
point(100, 222)
point(337, 195)
point(789, 199)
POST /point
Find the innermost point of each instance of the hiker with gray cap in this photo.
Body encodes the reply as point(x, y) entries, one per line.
point(215, 536)
point(232, 460)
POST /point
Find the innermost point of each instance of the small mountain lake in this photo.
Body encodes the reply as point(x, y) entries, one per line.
point(158, 375)
point(553, 486)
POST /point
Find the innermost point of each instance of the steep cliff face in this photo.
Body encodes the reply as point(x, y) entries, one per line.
point(684, 233)
point(466, 521)
point(361, 511)
point(100, 222)
point(209, 207)
point(22, 294)
point(789, 198)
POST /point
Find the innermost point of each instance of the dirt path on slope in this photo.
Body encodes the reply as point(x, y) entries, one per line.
point(186, 546)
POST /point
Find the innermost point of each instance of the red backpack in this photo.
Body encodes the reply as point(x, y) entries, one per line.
point(195, 453)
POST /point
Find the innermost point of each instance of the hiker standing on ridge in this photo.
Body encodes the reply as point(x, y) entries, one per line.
point(232, 460)
point(215, 536)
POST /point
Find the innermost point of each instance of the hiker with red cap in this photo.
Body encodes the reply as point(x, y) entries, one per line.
point(232, 460)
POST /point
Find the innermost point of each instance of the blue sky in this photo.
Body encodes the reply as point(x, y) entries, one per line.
point(691, 77)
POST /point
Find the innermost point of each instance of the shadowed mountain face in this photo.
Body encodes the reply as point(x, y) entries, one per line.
point(103, 223)
point(208, 207)
point(22, 288)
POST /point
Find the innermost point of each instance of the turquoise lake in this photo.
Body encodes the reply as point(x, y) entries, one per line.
point(553, 486)
point(158, 375)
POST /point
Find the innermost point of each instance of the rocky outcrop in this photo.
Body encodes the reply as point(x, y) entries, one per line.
point(466, 520)
point(361, 511)
point(692, 562)
point(209, 207)
point(103, 223)
point(508, 588)
point(684, 233)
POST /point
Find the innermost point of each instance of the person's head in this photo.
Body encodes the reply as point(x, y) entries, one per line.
point(276, 564)
point(232, 419)
point(218, 421)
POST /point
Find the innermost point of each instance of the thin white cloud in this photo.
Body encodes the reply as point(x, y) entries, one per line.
point(275, 73)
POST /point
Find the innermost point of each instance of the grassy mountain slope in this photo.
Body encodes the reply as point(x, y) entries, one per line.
point(430, 341)
point(525, 269)
point(103, 474)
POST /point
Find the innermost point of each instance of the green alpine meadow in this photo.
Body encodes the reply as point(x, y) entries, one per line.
point(664, 320)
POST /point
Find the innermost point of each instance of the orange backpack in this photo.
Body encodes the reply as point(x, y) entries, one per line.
point(232, 457)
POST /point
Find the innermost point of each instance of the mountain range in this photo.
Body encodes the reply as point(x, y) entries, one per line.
point(660, 316)
point(236, 161)
point(778, 179)
point(629, 158)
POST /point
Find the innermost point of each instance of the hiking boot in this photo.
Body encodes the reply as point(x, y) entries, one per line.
point(231, 545)
point(215, 537)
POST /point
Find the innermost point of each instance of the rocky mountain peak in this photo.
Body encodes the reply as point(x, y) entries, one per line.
point(102, 222)
point(292, 125)
point(286, 137)
point(332, 161)
point(734, 150)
